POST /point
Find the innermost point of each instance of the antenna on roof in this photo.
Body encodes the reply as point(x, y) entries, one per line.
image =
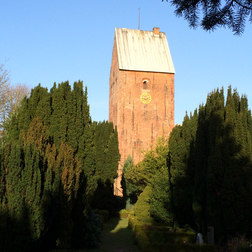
point(138, 18)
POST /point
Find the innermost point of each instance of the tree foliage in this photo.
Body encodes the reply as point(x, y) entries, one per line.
point(216, 167)
point(53, 161)
point(211, 13)
point(205, 177)
point(148, 183)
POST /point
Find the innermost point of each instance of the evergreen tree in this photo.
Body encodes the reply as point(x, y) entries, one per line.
point(2, 178)
point(181, 169)
point(14, 186)
point(112, 157)
point(161, 208)
point(206, 177)
point(106, 163)
point(215, 13)
point(31, 182)
point(222, 172)
point(53, 159)
point(58, 123)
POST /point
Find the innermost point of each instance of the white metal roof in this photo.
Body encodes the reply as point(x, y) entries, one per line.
point(143, 51)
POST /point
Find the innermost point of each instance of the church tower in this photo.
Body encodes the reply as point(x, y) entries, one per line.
point(141, 97)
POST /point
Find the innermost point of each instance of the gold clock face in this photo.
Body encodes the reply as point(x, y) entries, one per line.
point(145, 98)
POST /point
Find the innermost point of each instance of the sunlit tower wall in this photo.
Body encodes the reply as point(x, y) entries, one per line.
point(141, 97)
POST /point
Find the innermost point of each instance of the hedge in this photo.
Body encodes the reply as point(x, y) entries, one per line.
point(163, 238)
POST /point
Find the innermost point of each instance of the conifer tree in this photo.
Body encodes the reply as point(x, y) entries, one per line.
point(31, 182)
point(58, 123)
point(52, 158)
point(112, 157)
point(209, 170)
point(223, 165)
point(2, 178)
point(181, 171)
point(14, 186)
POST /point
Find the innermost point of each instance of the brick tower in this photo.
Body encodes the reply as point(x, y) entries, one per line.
point(141, 97)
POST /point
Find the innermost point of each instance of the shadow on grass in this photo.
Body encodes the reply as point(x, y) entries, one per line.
point(115, 237)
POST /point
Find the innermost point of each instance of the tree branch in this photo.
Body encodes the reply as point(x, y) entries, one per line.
point(242, 5)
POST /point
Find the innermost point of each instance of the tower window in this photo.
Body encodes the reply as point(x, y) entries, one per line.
point(145, 84)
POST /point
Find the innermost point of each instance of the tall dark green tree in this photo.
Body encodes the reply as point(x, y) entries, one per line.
point(206, 176)
point(106, 164)
point(217, 161)
point(52, 159)
point(181, 169)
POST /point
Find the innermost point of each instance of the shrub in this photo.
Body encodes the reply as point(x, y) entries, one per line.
point(124, 213)
point(236, 244)
point(142, 207)
point(163, 238)
point(103, 214)
point(93, 228)
point(133, 221)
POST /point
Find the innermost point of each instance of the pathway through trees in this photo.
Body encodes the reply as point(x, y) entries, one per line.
point(117, 237)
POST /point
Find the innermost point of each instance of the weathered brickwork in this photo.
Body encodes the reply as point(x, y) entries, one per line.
point(139, 122)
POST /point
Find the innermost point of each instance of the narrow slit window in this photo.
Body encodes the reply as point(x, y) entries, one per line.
point(145, 84)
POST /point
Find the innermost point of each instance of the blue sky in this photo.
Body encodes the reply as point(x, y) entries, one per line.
point(57, 40)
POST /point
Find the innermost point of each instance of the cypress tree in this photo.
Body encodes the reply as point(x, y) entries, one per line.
point(112, 156)
point(53, 159)
point(223, 166)
point(58, 123)
point(81, 109)
point(87, 156)
point(71, 130)
point(85, 109)
point(14, 186)
point(181, 169)
point(2, 178)
point(31, 180)
point(43, 109)
point(101, 135)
